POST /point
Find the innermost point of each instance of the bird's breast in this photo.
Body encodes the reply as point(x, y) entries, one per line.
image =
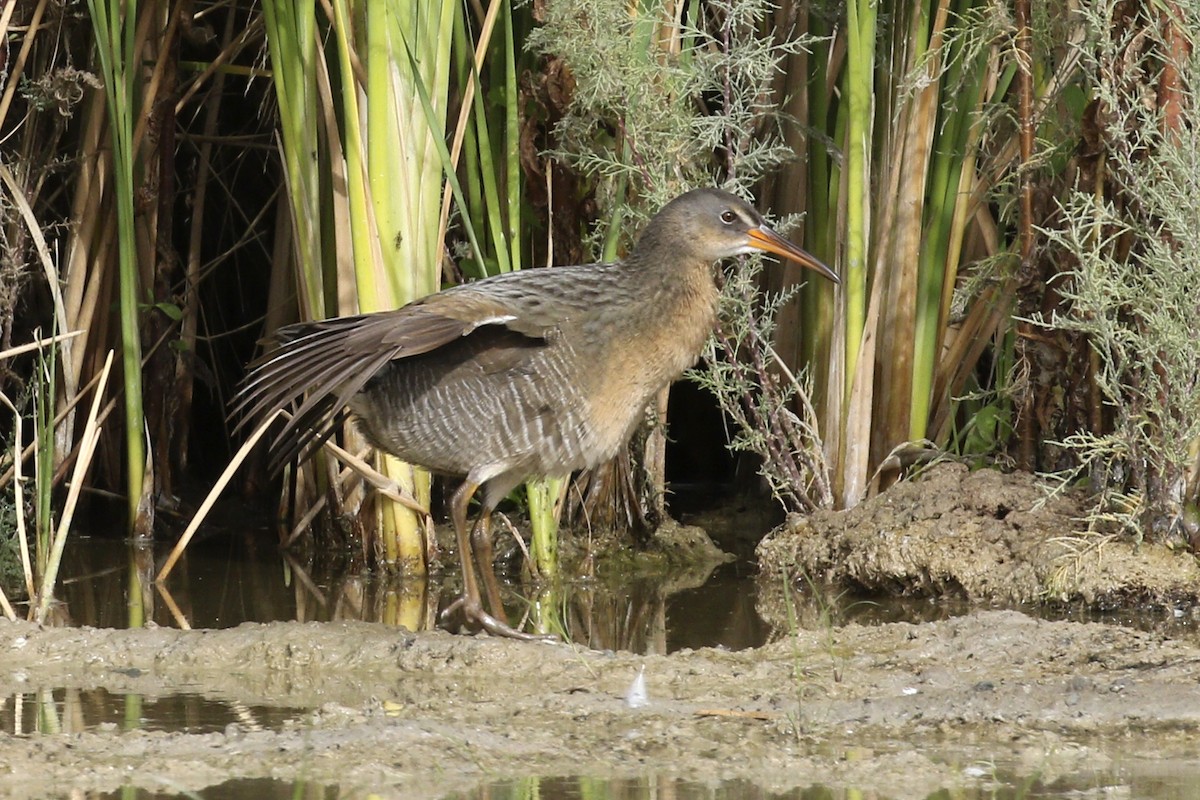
point(642, 351)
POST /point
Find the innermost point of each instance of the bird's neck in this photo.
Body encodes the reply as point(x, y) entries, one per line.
point(675, 290)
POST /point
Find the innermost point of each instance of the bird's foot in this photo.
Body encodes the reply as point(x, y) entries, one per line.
point(479, 619)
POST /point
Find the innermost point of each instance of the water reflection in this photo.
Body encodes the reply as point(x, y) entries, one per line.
point(238, 789)
point(62, 710)
point(658, 787)
point(1154, 783)
point(225, 581)
point(987, 782)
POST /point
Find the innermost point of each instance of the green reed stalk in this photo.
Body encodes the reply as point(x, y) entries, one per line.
point(860, 87)
point(953, 154)
point(44, 393)
point(544, 512)
point(853, 412)
point(373, 280)
point(292, 42)
point(490, 173)
point(512, 126)
point(114, 24)
point(821, 202)
point(407, 51)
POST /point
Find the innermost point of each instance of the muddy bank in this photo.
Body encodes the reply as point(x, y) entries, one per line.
point(983, 536)
point(899, 708)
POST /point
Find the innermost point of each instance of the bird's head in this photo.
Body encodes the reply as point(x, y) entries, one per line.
point(713, 224)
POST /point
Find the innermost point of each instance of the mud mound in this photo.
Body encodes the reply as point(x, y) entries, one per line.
point(982, 535)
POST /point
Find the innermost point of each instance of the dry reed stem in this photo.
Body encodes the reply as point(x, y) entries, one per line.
point(213, 494)
point(217, 66)
point(16, 69)
point(901, 229)
point(857, 444)
point(304, 581)
point(90, 234)
point(7, 607)
point(173, 608)
point(19, 502)
point(520, 540)
point(464, 111)
point(150, 90)
point(89, 214)
point(347, 293)
point(305, 520)
point(963, 351)
point(37, 345)
point(88, 442)
point(382, 483)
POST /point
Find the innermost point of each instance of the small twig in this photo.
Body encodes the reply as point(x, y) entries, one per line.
point(382, 483)
point(37, 345)
point(176, 612)
point(516, 534)
point(302, 524)
point(213, 494)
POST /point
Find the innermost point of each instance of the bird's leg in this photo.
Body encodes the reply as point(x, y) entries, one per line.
point(470, 602)
point(481, 542)
point(458, 516)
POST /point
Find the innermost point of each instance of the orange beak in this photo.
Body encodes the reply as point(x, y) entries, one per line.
point(764, 238)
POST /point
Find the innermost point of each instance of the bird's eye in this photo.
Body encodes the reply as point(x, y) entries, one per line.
point(728, 217)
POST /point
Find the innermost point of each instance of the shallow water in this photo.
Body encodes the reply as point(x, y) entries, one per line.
point(1129, 781)
point(75, 710)
point(227, 581)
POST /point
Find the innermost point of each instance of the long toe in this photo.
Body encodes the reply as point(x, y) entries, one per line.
point(475, 618)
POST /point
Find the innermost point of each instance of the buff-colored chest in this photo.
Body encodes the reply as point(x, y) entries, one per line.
point(660, 337)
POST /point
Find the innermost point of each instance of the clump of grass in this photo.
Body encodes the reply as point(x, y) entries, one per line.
point(770, 406)
point(1133, 242)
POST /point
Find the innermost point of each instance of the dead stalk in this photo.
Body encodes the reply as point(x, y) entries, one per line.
point(88, 442)
point(19, 502)
point(213, 494)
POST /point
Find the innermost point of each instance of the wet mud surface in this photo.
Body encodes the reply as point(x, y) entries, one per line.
point(898, 710)
point(423, 715)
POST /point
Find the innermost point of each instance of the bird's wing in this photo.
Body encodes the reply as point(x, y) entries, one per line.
point(319, 366)
point(459, 313)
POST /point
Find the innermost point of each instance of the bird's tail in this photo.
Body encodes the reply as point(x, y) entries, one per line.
point(312, 371)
